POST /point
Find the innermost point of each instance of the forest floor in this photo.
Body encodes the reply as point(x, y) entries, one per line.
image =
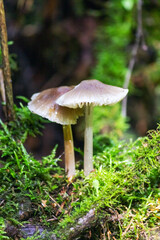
point(119, 200)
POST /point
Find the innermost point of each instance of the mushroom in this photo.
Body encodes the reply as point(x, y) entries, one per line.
point(44, 104)
point(90, 93)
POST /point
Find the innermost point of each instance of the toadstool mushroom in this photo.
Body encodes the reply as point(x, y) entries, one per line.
point(91, 93)
point(44, 104)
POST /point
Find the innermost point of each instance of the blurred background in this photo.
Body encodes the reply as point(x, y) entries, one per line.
point(62, 42)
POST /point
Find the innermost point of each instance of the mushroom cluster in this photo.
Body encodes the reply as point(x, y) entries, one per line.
point(73, 102)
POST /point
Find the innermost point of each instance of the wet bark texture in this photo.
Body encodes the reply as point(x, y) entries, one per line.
point(6, 67)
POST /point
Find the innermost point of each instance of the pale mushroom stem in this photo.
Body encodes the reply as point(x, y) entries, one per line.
point(88, 140)
point(69, 151)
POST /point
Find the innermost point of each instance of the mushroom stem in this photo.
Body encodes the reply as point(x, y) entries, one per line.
point(69, 151)
point(88, 140)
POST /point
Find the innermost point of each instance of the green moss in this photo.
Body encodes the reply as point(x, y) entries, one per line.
point(125, 181)
point(126, 177)
point(20, 173)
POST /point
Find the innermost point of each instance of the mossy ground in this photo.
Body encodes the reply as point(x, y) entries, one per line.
point(124, 189)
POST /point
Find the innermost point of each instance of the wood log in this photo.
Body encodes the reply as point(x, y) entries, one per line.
point(83, 223)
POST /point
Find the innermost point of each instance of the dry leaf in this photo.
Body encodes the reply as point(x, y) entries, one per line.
point(43, 202)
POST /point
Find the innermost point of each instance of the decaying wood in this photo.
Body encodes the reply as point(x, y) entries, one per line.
point(91, 219)
point(83, 223)
point(6, 67)
point(71, 231)
point(88, 221)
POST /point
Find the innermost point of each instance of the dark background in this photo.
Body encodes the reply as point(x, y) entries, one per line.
point(58, 43)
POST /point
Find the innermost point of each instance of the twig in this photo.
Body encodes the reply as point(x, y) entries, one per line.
point(139, 42)
point(1, 203)
point(108, 234)
point(126, 230)
point(10, 115)
point(53, 200)
point(52, 219)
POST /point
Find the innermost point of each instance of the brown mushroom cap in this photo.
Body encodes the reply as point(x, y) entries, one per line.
point(44, 104)
point(92, 92)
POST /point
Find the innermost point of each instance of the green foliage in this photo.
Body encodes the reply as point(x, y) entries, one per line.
point(2, 229)
point(128, 4)
point(26, 122)
point(126, 181)
point(108, 120)
point(20, 173)
point(12, 59)
point(113, 46)
point(101, 142)
point(113, 37)
point(126, 177)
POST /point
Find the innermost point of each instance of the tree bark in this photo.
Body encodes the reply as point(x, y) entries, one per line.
point(10, 115)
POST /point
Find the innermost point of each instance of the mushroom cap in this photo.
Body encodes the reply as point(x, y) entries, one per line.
point(92, 92)
point(44, 104)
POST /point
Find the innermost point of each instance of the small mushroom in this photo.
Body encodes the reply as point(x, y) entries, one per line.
point(90, 93)
point(44, 104)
